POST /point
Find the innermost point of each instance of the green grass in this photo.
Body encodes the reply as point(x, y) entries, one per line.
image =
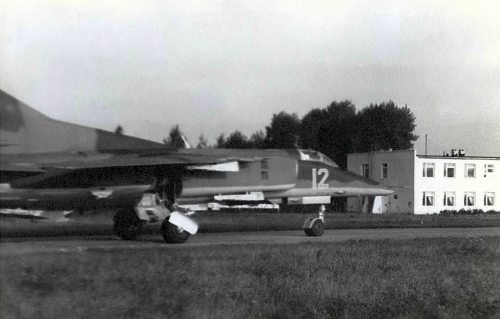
point(214, 222)
point(101, 223)
point(424, 278)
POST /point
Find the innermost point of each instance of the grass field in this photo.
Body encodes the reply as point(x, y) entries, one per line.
point(248, 221)
point(213, 222)
point(427, 278)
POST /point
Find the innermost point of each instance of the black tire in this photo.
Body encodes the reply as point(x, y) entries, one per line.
point(127, 225)
point(317, 229)
point(173, 234)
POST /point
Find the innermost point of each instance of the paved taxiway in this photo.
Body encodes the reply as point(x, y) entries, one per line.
point(24, 245)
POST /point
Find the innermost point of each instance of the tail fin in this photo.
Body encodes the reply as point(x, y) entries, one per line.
point(25, 130)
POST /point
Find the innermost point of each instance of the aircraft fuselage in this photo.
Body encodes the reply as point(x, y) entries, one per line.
point(276, 173)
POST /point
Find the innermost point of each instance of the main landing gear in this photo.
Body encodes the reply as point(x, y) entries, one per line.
point(173, 234)
point(127, 225)
point(315, 227)
point(176, 226)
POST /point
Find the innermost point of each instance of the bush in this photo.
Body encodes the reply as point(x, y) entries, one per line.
point(448, 212)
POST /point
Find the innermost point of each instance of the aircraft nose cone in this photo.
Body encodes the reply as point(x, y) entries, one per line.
point(364, 185)
point(376, 189)
point(384, 190)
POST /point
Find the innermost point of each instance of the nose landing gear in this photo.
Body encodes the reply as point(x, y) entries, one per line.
point(315, 227)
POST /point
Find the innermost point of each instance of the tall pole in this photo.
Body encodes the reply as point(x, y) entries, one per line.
point(425, 144)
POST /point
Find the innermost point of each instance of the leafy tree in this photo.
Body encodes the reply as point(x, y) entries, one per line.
point(220, 141)
point(385, 126)
point(310, 128)
point(284, 130)
point(174, 139)
point(336, 135)
point(202, 142)
point(338, 130)
point(258, 140)
point(119, 130)
point(237, 140)
point(330, 130)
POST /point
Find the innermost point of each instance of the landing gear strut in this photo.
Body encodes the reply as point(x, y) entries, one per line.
point(315, 227)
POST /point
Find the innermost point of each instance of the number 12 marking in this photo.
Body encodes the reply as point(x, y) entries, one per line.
point(315, 174)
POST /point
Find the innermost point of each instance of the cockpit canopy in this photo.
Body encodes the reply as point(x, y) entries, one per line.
point(313, 156)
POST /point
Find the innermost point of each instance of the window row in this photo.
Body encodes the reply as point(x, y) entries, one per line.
point(449, 199)
point(450, 170)
point(384, 169)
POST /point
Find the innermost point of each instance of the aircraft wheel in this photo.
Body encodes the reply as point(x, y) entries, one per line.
point(127, 225)
point(173, 234)
point(317, 229)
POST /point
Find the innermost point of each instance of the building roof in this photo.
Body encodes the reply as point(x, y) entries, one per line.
point(459, 157)
point(388, 151)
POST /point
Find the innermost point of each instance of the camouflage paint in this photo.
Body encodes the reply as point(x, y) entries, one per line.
point(25, 130)
point(49, 164)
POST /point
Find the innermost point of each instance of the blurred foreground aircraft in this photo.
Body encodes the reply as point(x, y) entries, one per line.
point(51, 165)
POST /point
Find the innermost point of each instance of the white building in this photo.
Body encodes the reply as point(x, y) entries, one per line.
point(426, 184)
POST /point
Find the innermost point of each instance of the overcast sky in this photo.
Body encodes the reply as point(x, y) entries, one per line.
point(216, 66)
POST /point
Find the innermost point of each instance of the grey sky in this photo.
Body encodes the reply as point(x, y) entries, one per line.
point(216, 66)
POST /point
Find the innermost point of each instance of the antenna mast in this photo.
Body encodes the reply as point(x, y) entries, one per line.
point(425, 144)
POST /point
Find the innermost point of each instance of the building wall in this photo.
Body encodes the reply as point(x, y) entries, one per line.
point(458, 185)
point(400, 178)
point(405, 175)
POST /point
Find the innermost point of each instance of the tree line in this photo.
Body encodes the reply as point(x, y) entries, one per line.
point(336, 130)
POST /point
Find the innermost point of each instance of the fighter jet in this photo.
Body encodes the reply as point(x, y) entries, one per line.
point(52, 165)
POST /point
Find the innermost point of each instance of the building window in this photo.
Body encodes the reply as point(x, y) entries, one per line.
point(489, 170)
point(469, 199)
point(365, 170)
point(489, 199)
point(428, 199)
point(263, 164)
point(384, 171)
point(470, 170)
point(449, 199)
point(449, 170)
point(264, 175)
point(428, 169)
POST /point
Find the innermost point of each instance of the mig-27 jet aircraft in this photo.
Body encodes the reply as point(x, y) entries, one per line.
point(53, 165)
